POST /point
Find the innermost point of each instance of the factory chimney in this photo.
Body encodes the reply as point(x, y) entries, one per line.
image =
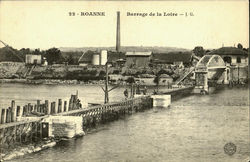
point(118, 32)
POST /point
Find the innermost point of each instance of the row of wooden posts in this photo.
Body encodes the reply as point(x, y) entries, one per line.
point(28, 131)
point(111, 111)
point(13, 112)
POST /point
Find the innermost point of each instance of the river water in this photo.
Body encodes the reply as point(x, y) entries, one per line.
point(194, 128)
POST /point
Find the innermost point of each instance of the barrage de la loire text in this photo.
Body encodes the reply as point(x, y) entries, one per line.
point(173, 14)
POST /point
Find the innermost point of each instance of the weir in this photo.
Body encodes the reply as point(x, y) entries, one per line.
point(52, 121)
point(19, 127)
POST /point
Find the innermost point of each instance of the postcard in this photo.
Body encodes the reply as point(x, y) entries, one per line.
point(124, 81)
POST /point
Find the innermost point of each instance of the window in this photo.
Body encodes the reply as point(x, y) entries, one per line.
point(227, 59)
point(238, 60)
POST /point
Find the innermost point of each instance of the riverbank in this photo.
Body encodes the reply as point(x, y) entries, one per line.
point(49, 81)
point(27, 149)
point(72, 82)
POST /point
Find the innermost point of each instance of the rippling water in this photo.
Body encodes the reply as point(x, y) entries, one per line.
point(194, 128)
point(29, 93)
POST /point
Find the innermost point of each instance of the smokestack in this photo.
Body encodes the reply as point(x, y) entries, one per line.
point(118, 32)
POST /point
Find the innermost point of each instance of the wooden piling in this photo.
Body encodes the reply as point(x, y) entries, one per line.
point(59, 105)
point(28, 108)
point(7, 116)
point(0, 116)
point(42, 108)
point(3, 116)
point(35, 108)
point(38, 105)
point(53, 107)
point(10, 114)
point(46, 105)
point(31, 108)
point(18, 111)
point(13, 112)
point(56, 107)
point(70, 104)
point(21, 111)
point(25, 110)
point(49, 108)
point(65, 109)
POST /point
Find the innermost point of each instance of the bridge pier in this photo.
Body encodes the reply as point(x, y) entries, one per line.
point(205, 88)
point(210, 68)
point(201, 79)
point(227, 75)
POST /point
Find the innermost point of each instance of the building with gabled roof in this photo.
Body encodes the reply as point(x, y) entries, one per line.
point(86, 58)
point(138, 59)
point(232, 55)
point(172, 58)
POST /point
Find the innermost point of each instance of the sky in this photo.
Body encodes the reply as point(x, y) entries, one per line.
point(47, 24)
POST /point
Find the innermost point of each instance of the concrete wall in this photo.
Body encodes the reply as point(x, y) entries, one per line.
point(161, 100)
point(65, 126)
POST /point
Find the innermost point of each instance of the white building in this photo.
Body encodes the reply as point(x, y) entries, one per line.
point(232, 55)
point(33, 59)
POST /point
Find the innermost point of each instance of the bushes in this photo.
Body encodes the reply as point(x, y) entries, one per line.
point(85, 75)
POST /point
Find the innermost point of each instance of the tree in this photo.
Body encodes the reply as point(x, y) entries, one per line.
point(131, 80)
point(53, 55)
point(25, 51)
point(199, 51)
point(246, 49)
point(70, 59)
point(240, 46)
point(37, 52)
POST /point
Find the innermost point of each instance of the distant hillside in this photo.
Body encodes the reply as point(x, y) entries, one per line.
point(154, 49)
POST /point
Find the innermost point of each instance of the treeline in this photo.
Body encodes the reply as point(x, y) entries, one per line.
point(52, 55)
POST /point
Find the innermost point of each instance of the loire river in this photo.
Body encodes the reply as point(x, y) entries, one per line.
point(194, 128)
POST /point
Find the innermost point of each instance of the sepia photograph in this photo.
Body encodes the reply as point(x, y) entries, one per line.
point(129, 81)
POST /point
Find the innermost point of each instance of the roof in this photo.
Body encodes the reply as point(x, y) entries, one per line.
point(146, 76)
point(228, 51)
point(171, 57)
point(165, 76)
point(30, 54)
point(138, 53)
point(86, 56)
point(112, 56)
